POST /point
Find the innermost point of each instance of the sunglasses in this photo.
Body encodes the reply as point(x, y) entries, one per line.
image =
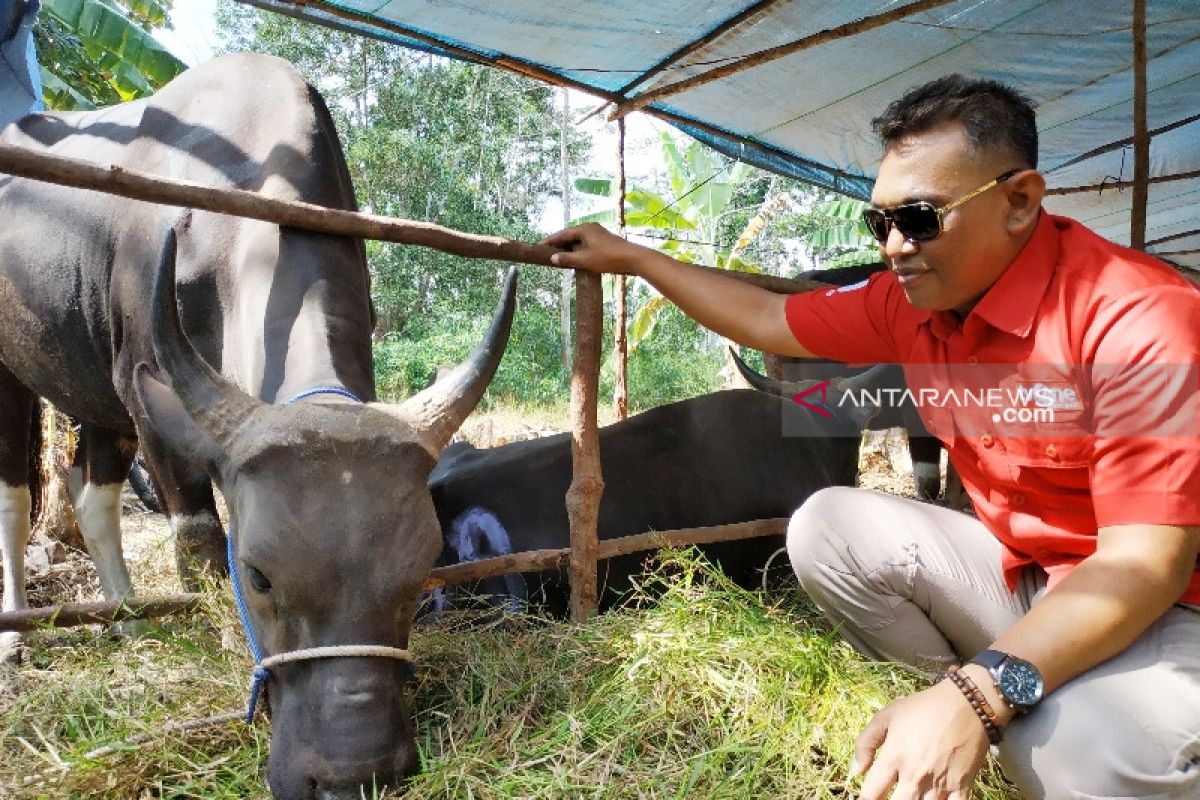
point(920, 221)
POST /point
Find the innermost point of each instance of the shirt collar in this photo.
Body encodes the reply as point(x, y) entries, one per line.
point(1012, 302)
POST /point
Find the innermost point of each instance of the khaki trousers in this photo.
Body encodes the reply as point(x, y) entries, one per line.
point(920, 585)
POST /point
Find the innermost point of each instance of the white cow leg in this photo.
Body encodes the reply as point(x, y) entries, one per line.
point(98, 512)
point(14, 538)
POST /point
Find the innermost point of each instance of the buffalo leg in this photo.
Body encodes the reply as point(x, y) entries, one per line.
point(101, 462)
point(188, 503)
point(17, 407)
point(926, 453)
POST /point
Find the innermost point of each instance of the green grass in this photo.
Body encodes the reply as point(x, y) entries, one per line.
point(711, 692)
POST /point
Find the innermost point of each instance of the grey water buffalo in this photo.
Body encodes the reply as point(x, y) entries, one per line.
point(720, 458)
point(239, 365)
point(925, 450)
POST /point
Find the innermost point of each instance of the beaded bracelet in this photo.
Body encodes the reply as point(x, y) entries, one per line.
point(979, 703)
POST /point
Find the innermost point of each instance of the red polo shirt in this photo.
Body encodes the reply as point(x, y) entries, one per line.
point(1067, 398)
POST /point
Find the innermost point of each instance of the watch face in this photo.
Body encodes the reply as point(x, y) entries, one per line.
point(1020, 682)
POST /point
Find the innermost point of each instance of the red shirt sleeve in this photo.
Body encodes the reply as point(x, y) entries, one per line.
point(865, 323)
point(1145, 363)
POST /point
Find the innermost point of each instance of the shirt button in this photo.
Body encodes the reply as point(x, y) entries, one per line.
point(987, 440)
point(972, 360)
point(1018, 500)
point(1051, 451)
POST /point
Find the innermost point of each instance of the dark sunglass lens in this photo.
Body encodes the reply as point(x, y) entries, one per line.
point(918, 222)
point(877, 223)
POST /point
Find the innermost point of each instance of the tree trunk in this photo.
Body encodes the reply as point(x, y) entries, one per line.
point(568, 276)
point(621, 340)
point(56, 518)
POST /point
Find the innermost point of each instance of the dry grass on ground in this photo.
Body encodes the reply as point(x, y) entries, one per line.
point(712, 692)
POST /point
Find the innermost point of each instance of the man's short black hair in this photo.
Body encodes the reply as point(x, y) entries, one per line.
point(991, 113)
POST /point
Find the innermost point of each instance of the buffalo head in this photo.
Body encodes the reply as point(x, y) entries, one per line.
point(335, 534)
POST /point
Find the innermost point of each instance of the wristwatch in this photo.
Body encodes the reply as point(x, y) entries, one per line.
point(1017, 680)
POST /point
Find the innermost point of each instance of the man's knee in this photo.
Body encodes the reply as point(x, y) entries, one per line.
point(809, 531)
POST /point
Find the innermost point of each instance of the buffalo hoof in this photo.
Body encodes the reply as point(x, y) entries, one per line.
point(927, 480)
point(12, 648)
point(199, 557)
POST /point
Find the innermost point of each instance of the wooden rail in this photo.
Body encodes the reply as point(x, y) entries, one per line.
point(74, 614)
point(71, 615)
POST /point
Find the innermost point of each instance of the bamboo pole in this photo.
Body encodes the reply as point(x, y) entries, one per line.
point(541, 560)
point(111, 179)
point(1141, 138)
point(70, 615)
point(587, 484)
point(1097, 187)
point(621, 338)
point(771, 54)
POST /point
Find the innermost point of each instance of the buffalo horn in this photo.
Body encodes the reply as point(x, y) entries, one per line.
point(437, 411)
point(217, 406)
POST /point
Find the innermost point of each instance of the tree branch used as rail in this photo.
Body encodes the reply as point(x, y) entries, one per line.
point(71, 615)
point(541, 560)
point(82, 174)
point(75, 614)
point(110, 179)
point(762, 57)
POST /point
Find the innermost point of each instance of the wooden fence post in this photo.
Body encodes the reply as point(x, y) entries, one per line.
point(583, 498)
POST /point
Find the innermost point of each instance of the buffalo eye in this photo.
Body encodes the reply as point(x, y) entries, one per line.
point(258, 581)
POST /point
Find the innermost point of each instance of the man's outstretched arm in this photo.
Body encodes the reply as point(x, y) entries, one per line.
point(747, 314)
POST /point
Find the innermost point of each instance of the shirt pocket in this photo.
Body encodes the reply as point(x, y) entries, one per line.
point(1050, 461)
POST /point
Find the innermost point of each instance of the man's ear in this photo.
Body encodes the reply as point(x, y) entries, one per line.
point(1025, 191)
point(162, 409)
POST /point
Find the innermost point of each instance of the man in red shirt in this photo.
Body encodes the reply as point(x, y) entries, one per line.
point(1061, 372)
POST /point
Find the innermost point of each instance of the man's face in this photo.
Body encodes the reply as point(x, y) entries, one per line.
point(954, 270)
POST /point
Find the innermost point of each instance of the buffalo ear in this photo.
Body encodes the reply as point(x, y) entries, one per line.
point(165, 413)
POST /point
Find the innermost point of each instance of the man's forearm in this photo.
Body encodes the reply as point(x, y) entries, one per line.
point(1105, 604)
point(740, 311)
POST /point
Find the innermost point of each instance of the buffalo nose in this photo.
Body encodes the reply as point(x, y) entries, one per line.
point(356, 691)
point(344, 793)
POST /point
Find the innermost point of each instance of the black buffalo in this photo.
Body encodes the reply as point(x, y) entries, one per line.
point(925, 450)
point(335, 528)
point(720, 458)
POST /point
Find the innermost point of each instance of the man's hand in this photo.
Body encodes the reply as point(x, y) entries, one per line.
point(594, 249)
point(929, 746)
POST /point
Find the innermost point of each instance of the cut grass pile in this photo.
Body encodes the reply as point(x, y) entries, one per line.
point(710, 692)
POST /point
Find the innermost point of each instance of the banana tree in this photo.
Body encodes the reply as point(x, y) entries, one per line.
point(100, 52)
point(844, 241)
point(702, 184)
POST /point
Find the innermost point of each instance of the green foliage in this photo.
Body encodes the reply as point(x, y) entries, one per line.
point(530, 372)
point(843, 239)
point(681, 360)
point(100, 52)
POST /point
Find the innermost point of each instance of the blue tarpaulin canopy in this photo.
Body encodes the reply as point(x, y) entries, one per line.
point(798, 81)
